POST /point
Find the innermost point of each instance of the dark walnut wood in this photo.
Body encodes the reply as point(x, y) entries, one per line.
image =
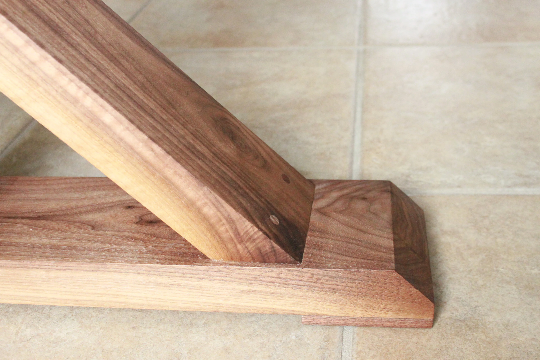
point(352, 216)
point(372, 225)
point(97, 84)
point(84, 219)
point(84, 242)
point(366, 322)
point(410, 243)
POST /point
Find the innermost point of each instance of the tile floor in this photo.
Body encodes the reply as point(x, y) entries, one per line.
point(441, 97)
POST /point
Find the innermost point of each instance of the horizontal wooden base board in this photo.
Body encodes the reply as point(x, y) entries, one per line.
point(85, 242)
point(366, 322)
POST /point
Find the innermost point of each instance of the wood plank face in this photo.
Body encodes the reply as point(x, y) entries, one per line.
point(84, 220)
point(104, 90)
point(356, 217)
point(229, 288)
point(84, 242)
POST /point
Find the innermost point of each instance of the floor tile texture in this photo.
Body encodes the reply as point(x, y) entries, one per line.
point(439, 118)
point(243, 23)
point(391, 22)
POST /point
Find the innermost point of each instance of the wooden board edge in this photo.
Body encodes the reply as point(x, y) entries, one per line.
point(411, 255)
point(366, 322)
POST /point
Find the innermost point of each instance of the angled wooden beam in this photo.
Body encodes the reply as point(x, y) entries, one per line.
point(85, 242)
point(99, 86)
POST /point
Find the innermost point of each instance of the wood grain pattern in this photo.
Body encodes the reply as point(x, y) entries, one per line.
point(357, 218)
point(109, 94)
point(84, 219)
point(54, 250)
point(366, 322)
point(410, 244)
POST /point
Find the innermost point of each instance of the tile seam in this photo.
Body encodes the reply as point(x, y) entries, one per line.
point(486, 44)
point(348, 343)
point(16, 139)
point(138, 12)
point(477, 192)
point(356, 47)
point(356, 158)
point(355, 152)
point(256, 48)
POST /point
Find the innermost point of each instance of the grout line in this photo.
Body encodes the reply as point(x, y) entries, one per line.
point(486, 44)
point(356, 158)
point(357, 47)
point(138, 12)
point(364, 26)
point(15, 141)
point(348, 343)
point(261, 48)
point(340, 343)
point(359, 26)
point(480, 192)
point(356, 147)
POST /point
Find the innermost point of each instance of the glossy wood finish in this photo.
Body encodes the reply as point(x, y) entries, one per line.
point(84, 242)
point(109, 94)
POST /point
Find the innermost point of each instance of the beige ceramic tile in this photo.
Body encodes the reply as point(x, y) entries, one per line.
point(31, 332)
point(465, 118)
point(243, 23)
point(39, 153)
point(451, 21)
point(12, 121)
point(485, 257)
point(126, 8)
point(299, 102)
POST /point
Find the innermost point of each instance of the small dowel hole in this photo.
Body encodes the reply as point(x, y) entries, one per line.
point(274, 219)
point(286, 178)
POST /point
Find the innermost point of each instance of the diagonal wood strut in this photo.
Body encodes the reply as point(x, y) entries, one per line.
point(97, 84)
